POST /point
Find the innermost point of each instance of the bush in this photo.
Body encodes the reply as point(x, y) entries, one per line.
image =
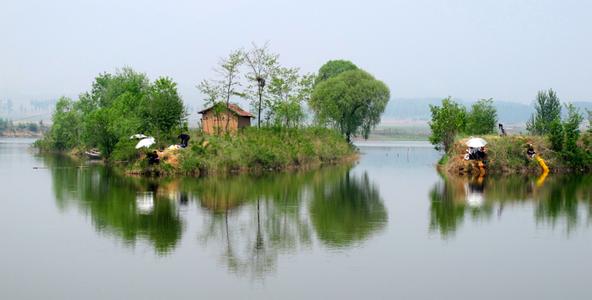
point(125, 150)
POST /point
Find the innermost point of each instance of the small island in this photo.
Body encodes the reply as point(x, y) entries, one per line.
point(141, 126)
point(555, 142)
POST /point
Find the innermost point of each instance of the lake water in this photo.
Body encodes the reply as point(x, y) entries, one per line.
point(386, 227)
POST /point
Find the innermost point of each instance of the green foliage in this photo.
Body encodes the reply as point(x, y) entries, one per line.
point(287, 90)
point(571, 130)
point(117, 107)
point(447, 121)
point(125, 150)
point(333, 68)
point(261, 64)
point(275, 92)
point(556, 136)
point(482, 119)
point(65, 131)
point(164, 110)
point(226, 84)
point(351, 101)
point(547, 110)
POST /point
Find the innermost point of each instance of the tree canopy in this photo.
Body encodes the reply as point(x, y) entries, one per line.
point(333, 68)
point(447, 121)
point(482, 118)
point(351, 101)
point(547, 111)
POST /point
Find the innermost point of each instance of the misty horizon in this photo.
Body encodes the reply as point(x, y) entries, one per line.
point(420, 49)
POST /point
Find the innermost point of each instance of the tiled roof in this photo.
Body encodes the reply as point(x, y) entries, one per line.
point(234, 108)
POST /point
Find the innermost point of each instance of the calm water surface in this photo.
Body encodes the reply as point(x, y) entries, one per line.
point(386, 227)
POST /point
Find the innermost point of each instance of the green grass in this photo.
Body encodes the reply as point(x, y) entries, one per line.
point(254, 150)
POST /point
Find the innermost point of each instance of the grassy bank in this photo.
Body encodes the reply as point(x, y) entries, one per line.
point(252, 150)
point(507, 155)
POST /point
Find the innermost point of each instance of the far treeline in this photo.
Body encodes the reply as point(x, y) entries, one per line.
point(564, 136)
point(342, 98)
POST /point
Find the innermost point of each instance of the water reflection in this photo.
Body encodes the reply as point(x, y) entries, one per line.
point(556, 200)
point(247, 222)
point(129, 209)
point(254, 220)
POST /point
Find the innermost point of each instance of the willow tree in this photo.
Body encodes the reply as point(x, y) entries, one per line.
point(351, 101)
point(333, 68)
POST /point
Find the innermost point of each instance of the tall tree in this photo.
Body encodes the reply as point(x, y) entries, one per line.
point(447, 121)
point(483, 117)
point(287, 91)
point(262, 64)
point(547, 110)
point(225, 86)
point(64, 133)
point(227, 83)
point(571, 130)
point(351, 101)
point(164, 108)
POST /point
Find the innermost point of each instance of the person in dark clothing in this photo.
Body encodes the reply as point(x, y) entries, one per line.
point(501, 129)
point(530, 151)
point(184, 139)
point(153, 158)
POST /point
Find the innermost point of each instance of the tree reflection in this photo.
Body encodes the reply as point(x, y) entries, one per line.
point(559, 198)
point(279, 214)
point(248, 220)
point(126, 208)
point(347, 210)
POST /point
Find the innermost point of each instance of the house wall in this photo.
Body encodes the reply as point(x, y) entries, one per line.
point(211, 124)
point(244, 122)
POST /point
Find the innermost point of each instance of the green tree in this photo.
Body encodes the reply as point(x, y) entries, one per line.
point(64, 134)
point(571, 130)
point(482, 118)
point(164, 109)
point(117, 106)
point(351, 102)
point(447, 121)
point(547, 110)
point(333, 68)
point(226, 84)
point(556, 136)
point(262, 64)
point(287, 91)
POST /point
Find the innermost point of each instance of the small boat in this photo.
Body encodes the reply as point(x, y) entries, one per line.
point(93, 154)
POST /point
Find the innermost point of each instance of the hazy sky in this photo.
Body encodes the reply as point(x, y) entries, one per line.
point(468, 49)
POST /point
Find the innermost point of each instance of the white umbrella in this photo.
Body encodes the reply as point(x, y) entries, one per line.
point(476, 142)
point(138, 136)
point(147, 142)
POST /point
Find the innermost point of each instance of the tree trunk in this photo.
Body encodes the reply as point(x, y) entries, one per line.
point(259, 113)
